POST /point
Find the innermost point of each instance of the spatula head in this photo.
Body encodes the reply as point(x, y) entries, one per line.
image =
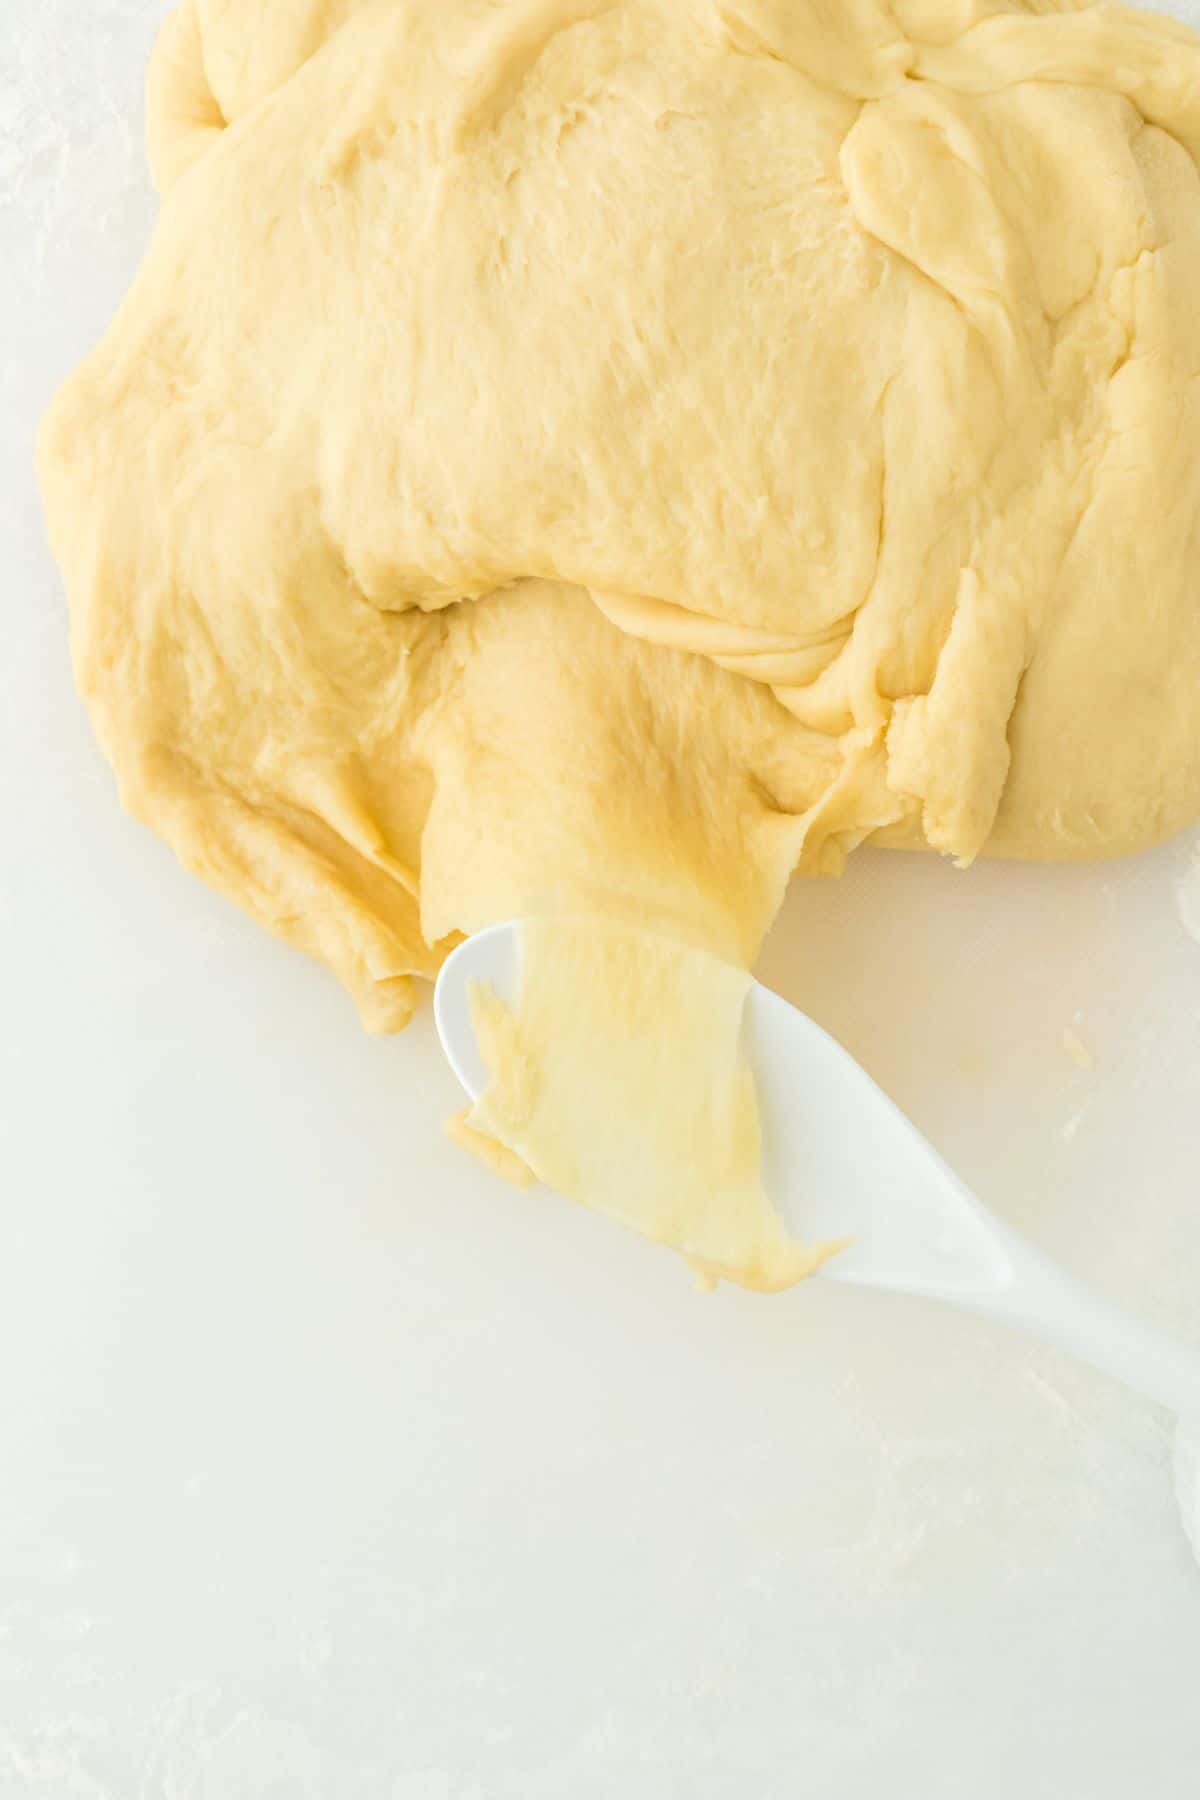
point(840, 1160)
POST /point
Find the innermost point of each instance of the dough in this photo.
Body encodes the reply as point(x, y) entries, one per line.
point(614, 1024)
point(600, 456)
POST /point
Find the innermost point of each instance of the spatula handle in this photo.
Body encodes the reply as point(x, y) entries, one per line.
point(1043, 1299)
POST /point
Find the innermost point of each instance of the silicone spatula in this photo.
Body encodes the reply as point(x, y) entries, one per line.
point(842, 1161)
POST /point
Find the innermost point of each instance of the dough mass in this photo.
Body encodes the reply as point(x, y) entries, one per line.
point(599, 456)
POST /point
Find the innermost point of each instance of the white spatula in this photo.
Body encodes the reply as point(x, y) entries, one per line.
point(842, 1161)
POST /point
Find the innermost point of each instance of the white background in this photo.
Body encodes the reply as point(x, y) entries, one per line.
point(332, 1470)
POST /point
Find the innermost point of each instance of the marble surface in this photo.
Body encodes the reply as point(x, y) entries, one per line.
point(330, 1470)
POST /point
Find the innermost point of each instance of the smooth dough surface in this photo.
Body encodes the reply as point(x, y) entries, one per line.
point(599, 456)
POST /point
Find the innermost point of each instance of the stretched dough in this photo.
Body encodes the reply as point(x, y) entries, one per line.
point(619, 1077)
point(598, 456)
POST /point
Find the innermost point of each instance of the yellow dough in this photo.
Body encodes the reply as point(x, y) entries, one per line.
point(595, 457)
point(612, 1024)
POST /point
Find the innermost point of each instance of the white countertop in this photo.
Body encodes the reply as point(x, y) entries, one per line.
point(331, 1469)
